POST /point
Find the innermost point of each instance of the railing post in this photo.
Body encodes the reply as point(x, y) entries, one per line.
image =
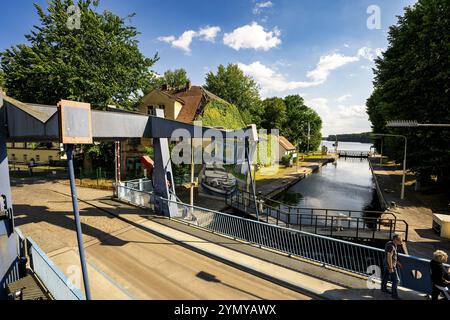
point(357, 228)
point(332, 225)
point(315, 228)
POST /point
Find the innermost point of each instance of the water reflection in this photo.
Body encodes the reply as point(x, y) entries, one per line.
point(345, 184)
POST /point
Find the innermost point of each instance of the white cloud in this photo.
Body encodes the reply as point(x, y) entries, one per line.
point(260, 6)
point(327, 64)
point(340, 119)
point(168, 39)
point(343, 98)
point(369, 53)
point(252, 36)
point(185, 40)
point(209, 33)
point(270, 80)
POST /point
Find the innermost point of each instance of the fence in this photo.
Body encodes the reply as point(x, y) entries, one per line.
point(348, 256)
point(133, 196)
point(56, 283)
point(330, 222)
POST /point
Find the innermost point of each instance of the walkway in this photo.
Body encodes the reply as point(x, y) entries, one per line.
point(423, 241)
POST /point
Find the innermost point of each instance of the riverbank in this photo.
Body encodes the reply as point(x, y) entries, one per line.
point(417, 209)
point(273, 185)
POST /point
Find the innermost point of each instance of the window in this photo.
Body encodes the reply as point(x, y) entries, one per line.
point(38, 158)
point(25, 158)
point(50, 158)
point(150, 110)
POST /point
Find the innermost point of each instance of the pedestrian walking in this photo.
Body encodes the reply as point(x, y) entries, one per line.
point(390, 266)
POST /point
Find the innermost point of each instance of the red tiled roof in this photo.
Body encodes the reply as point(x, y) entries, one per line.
point(286, 144)
point(194, 100)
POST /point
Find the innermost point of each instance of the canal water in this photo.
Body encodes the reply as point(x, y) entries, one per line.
point(346, 184)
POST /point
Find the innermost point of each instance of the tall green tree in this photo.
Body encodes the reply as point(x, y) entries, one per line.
point(231, 84)
point(296, 127)
point(2, 78)
point(176, 79)
point(97, 61)
point(412, 82)
point(275, 114)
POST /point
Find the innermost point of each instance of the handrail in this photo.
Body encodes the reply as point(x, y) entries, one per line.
point(394, 217)
point(352, 257)
point(316, 218)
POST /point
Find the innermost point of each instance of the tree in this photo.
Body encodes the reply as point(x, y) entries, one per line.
point(412, 82)
point(2, 78)
point(231, 84)
point(296, 127)
point(274, 114)
point(176, 79)
point(99, 62)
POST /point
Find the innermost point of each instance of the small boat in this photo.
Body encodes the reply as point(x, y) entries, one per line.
point(217, 180)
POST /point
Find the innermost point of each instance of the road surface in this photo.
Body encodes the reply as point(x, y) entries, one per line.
point(126, 262)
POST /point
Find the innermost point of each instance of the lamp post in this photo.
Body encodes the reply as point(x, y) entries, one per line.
point(404, 158)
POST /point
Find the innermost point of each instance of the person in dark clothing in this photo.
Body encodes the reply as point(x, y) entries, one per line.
point(390, 266)
point(439, 276)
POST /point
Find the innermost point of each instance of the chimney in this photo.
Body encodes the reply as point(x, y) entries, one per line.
point(188, 85)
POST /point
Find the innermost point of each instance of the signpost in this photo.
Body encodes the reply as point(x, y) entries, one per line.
point(75, 127)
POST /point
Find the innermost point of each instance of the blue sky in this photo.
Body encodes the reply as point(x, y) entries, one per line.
point(321, 49)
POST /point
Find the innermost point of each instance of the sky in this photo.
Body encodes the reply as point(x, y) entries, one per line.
point(320, 49)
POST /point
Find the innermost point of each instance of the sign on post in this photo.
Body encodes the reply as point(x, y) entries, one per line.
point(75, 122)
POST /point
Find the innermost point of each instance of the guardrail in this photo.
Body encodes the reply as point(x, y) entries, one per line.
point(380, 193)
point(135, 197)
point(143, 184)
point(346, 224)
point(348, 256)
point(56, 283)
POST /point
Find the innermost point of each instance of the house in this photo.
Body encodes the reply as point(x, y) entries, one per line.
point(286, 148)
point(184, 105)
point(188, 104)
point(42, 153)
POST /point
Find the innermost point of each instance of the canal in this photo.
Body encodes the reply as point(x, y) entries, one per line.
point(346, 184)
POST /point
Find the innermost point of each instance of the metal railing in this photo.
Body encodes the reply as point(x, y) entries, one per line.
point(348, 256)
point(57, 284)
point(346, 224)
point(135, 197)
point(143, 184)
